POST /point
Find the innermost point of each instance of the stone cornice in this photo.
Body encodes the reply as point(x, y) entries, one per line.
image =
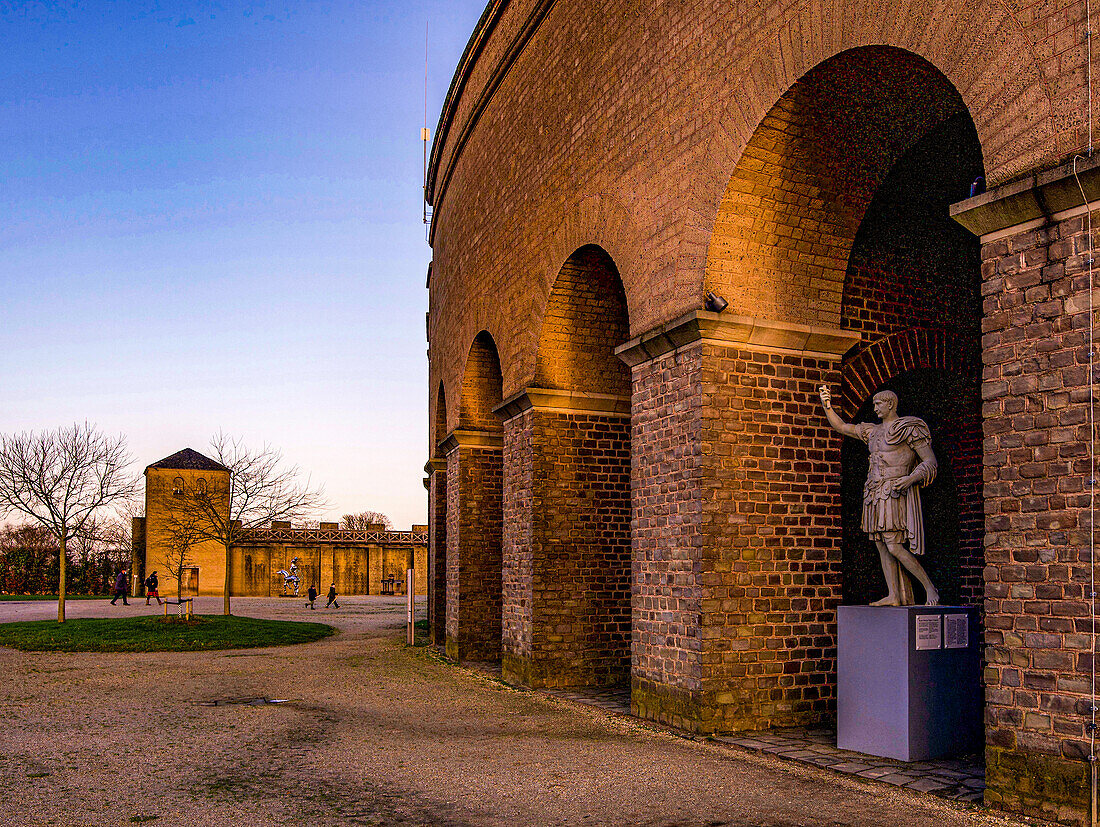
point(758, 334)
point(1031, 202)
point(547, 399)
point(439, 175)
point(434, 466)
point(461, 438)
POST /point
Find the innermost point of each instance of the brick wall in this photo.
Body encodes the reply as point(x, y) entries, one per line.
point(736, 518)
point(437, 554)
point(567, 549)
point(632, 144)
point(1035, 410)
point(518, 539)
point(474, 481)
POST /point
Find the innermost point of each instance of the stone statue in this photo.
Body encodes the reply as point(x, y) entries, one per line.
point(901, 462)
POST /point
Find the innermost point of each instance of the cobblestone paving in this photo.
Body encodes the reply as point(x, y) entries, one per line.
point(959, 779)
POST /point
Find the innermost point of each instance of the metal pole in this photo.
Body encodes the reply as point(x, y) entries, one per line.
point(410, 578)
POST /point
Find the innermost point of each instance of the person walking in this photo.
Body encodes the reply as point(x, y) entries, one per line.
point(122, 579)
point(152, 586)
point(332, 597)
point(312, 595)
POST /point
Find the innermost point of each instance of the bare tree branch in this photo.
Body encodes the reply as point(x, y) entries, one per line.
point(62, 479)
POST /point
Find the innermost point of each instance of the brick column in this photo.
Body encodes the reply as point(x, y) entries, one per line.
point(735, 521)
point(473, 595)
point(566, 538)
point(436, 470)
point(1035, 394)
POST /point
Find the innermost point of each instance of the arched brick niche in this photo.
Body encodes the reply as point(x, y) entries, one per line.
point(567, 490)
point(481, 386)
point(473, 506)
point(784, 231)
point(934, 375)
point(585, 321)
point(912, 290)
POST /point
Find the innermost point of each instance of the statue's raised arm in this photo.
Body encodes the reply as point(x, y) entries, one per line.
point(834, 418)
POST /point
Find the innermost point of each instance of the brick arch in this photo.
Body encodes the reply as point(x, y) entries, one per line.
point(983, 48)
point(481, 386)
point(585, 320)
point(895, 354)
point(795, 201)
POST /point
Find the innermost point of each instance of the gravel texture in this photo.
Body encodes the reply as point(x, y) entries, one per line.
point(372, 733)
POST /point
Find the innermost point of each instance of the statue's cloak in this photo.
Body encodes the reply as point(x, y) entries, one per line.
point(888, 517)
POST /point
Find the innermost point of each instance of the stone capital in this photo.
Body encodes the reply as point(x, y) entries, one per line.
point(1033, 201)
point(548, 399)
point(464, 438)
point(749, 331)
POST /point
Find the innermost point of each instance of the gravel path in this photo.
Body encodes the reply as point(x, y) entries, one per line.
point(371, 733)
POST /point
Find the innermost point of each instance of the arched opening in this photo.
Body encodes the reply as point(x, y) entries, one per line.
point(836, 216)
point(567, 536)
point(474, 516)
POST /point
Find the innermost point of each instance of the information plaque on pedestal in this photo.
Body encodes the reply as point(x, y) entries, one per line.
point(908, 681)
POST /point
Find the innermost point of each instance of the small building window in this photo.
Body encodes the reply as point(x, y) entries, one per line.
point(202, 487)
point(177, 487)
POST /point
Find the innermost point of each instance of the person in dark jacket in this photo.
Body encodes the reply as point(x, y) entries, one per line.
point(152, 588)
point(312, 595)
point(121, 581)
point(332, 597)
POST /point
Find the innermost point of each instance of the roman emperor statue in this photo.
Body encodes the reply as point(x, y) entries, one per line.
point(901, 463)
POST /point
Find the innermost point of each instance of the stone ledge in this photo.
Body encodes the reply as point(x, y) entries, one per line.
point(548, 399)
point(752, 332)
point(434, 466)
point(490, 440)
point(1053, 195)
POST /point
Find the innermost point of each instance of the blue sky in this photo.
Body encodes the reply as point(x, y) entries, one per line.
point(210, 219)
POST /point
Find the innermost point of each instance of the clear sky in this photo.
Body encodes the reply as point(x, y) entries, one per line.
point(210, 219)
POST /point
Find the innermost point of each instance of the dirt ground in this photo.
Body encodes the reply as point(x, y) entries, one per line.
point(372, 733)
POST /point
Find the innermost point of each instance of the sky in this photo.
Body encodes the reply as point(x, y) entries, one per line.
point(210, 220)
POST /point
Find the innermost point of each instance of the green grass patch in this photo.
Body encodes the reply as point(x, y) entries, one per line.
point(53, 597)
point(157, 634)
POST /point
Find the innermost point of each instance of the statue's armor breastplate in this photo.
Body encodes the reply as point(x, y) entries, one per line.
point(888, 462)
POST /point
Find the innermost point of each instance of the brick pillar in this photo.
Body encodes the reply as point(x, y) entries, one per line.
point(437, 549)
point(1035, 394)
point(736, 523)
point(473, 596)
point(566, 539)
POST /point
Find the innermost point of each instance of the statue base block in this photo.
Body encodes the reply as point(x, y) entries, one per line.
point(908, 681)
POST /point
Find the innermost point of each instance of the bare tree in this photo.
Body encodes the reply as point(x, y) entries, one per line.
point(182, 537)
point(260, 490)
point(61, 479)
point(364, 520)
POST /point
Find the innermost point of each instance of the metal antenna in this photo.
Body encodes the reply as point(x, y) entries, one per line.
point(425, 134)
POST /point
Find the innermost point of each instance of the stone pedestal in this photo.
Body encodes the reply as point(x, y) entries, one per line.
point(908, 681)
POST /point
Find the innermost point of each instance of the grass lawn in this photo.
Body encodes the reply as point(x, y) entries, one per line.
point(157, 634)
point(68, 597)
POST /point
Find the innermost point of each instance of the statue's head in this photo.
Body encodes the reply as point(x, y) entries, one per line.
point(885, 403)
